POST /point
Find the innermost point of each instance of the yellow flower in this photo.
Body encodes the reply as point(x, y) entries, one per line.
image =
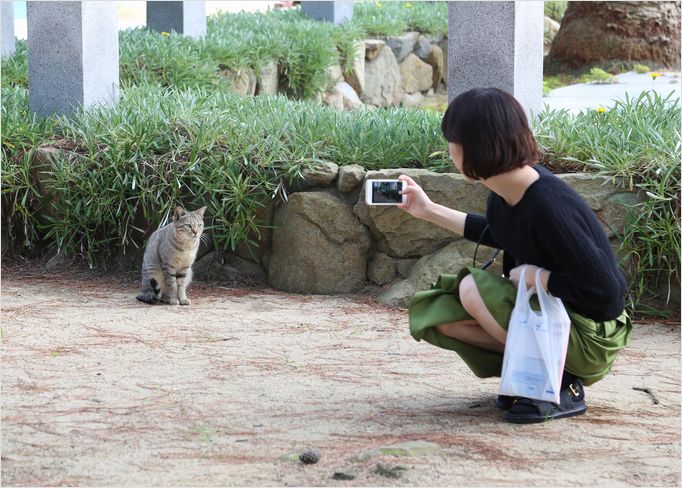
point(378, 4)
point(655, 75)
point(600, 109)
point(165, 33)
point(408, 5)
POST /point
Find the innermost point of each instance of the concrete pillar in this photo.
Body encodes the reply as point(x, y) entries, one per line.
point(7, 27)
point(335, 12)
point(497, 44)
point(187, 17)
point(72, 55)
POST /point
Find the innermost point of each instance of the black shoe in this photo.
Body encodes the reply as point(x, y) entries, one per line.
point(504, 402)
point(528, 411)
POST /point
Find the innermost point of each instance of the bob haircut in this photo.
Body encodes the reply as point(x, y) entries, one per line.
point(492, 129)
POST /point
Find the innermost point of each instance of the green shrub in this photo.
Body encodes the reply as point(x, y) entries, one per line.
point(556, 10)
point(641, 68)
point(598, 76)
point(161, 147)
point(637, 142)
point(393, 18)
point(15, 68)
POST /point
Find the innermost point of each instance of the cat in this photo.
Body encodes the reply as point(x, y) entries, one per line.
point(168, 258)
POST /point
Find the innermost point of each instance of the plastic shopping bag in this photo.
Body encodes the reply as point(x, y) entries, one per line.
point(535, 350)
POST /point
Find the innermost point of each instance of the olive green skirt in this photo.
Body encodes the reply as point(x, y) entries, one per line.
point(592, 346)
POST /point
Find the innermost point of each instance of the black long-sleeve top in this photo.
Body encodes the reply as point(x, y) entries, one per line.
point(554, 228)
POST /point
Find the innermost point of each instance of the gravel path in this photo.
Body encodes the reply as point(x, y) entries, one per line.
point(100, 390)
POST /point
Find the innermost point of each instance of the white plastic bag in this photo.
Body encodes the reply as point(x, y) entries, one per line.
point(535, 350)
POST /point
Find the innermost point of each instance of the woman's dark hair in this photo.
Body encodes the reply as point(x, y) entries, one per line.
point(492, 129)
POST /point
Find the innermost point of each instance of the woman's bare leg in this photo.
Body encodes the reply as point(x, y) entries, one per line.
point(471, 332)
point(472, 302)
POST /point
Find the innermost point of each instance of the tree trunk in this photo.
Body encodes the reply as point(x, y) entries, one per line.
point(596, 32)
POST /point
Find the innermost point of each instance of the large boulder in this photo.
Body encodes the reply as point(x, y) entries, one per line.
point(356, 76)
point(349, 96)
point(551, 30)
point(448, 260)
point(382, 81)
point(402, 46)
point(373, 48)
point(397, 233)
point(351, 176)
point(595, 32)
point(318, 246)
point(243, 80)
point(435, 59)
point(416, 75)
point(268, 80)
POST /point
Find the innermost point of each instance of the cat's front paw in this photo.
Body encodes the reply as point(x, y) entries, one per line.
point(185, 301)
point(169, 300)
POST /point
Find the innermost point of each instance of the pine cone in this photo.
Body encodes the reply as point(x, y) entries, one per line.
point(309, 456)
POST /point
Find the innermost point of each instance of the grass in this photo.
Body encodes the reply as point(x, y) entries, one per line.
point(637, 143)
point(162, 147)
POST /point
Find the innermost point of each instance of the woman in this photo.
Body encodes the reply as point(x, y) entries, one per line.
point(539, 222)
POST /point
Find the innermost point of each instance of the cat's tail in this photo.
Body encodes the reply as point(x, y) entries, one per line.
point(151, 294)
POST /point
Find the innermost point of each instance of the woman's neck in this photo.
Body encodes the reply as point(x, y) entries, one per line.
point(512, 185)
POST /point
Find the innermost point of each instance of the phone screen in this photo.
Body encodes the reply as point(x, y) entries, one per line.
point(387, 192)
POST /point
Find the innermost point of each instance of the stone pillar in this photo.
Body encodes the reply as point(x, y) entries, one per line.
point(187, 17)
point(335, 12)
point(7, 27)
point(497, 44)
point(72, 55)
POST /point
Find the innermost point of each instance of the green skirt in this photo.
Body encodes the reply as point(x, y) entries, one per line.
point(592, 346)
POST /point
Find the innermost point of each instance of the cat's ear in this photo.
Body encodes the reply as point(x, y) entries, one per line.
point(200, 212)
point(178, 212)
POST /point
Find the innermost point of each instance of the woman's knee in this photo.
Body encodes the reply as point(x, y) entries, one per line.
point(468, 292)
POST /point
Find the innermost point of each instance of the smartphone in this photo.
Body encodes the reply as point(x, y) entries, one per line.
point(384, 192)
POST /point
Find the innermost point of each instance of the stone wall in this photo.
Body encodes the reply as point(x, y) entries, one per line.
point(326, 240)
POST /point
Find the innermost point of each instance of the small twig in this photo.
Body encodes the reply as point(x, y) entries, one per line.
point(648, 392)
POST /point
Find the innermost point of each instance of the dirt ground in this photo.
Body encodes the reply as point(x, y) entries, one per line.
point(100, 390)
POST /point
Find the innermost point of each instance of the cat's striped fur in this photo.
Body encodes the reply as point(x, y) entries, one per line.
point(168, 258)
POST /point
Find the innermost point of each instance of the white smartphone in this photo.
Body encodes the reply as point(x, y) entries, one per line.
point(384, 192)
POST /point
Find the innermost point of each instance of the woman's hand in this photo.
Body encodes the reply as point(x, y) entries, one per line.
point(418, 204)
point(515, 275)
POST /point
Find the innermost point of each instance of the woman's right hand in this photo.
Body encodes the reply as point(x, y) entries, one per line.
point(418, 204)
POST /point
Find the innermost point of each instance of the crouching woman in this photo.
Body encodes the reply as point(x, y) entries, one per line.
point(539, 222)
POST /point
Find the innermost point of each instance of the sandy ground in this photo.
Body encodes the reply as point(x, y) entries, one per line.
point(99, 390)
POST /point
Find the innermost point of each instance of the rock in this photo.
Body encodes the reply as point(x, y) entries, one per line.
point(228, 268)
point(318, 246)
point(422, 48)
point(335, 73)
point(351, 176)
point(268, 81)
point(58, 263)
point(381, 269)
point(416, 75)
point(400, 235)
point(345, 475)
point(373, 48)
point(243, 80)
point(435, 60)
point(402, 46)
point(410, 448)
point(356, 77)
point(413, 99)
point(389, 471)
point(449, 260)
point(551, 29)
point(434, 39)
point(382, 81)
point(404, 266)
point(443, 45)
point(350, 98)
point(319, 175)
point(333, 99)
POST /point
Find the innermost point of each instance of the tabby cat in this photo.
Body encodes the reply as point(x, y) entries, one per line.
point(168, 258)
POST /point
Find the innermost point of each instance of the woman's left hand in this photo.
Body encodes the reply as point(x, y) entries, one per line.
point(515, 275)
